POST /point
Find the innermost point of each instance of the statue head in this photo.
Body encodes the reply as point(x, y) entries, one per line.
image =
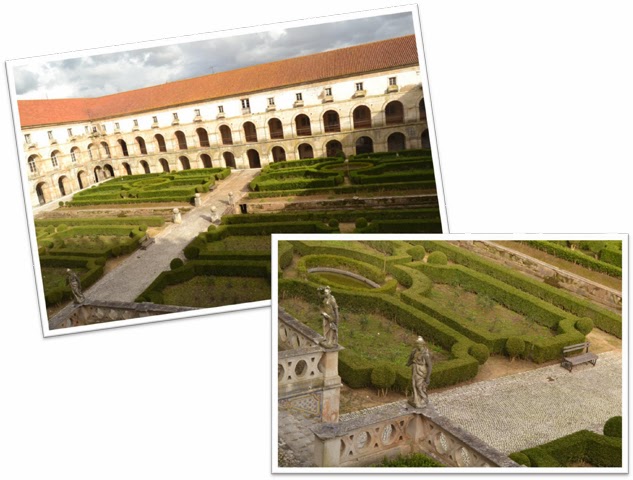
point(420, 341)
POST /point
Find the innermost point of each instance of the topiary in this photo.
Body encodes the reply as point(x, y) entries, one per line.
point(143, 228)
point(613, 427)
point(191, 252)
point(116, 251)
point(437, 258)
point(333, 222)
point(176, 263)
point(417, 253)
point(584, 325)
point(61, 227)
point(383, 377)
point(515, 346)
point(61, 204)
point(480, 352)
point(521, 458)
point(361, 222)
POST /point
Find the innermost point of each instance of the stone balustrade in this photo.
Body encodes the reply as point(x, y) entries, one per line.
point(293, 334)
point(367, 437)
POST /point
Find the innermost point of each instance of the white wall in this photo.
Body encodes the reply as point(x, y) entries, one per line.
point(532, 103)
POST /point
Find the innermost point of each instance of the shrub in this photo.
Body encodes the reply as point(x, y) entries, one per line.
point(143, 228)
point(584, 325)
point(411, 460)
point(333, 222)
point(176, 263)
point(116, 251)
point(191, 252)
point(521, 458)
point(515, 346)
point(437, 258)
point(361, 222)
point(61, 204)
point(383, 377)
point(480, 352)
point(61, 227)
point(417, 253)
point(613, 427)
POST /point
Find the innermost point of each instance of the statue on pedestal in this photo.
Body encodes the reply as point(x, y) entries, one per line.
point(73, 281)
point(331, 319)
point(420, 363)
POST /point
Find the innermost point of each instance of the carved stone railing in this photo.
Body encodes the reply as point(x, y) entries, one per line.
point(367, 437)
point(540, 269)
point(306, 369)
point(91, 312)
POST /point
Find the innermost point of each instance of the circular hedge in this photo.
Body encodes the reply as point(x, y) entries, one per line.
point(333, 222)
point(191, 252)
point(584, 325)
point(417, 253)
point(521, 458)
point(515, 346)
point(480, 352)
point(361, 222)
point(143, 228)
point(383, 376)
point(613, 427)
point(176, 263)
point(437, 258)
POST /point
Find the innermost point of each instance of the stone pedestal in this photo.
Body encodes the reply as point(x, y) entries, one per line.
point(176, 216)
point(197, 201)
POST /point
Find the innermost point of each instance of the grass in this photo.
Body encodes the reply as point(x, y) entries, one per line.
point(210, 291)
point(54, 277)
point(373, 337)
point(241, 243)
point(485, 312)
point(601, 278)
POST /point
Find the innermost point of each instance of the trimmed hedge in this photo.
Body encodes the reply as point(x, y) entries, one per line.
point(480, 352)
point(285, 251)
point(383, 376)
point(95, 271)
point(603, 319)
point(374, 274)
point(437, 258)
point(613, 427)
point(224, 231)
point(430, 225)
point(413, 460)
point(611, 256)
point(584, 325)
point(520, 458)
point(345, 189)
point(417, 253)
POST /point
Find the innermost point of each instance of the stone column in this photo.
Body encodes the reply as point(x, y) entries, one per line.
point(331, 387)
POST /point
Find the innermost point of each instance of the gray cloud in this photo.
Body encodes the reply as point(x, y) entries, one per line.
point(114, 72)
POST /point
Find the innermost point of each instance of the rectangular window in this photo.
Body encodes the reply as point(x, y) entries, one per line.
point(50, 134)
point(271, 101)
point(359, 86)
point(299, 96)
point(175, 114)
point(103, 128)
point(155, 119)
point(246, 103)
point(136, 123)
point(392, 81)
point(116, 125)
point(94, 129)
point(27, 138)
point(87, 129)
point(70, 132)
point(220, 109)
point(197, 111)
point(73, 156)
point(328, 91)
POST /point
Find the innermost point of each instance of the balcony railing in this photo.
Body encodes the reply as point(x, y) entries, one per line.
point(332, 127)
point(304, 131)
point(362, 123)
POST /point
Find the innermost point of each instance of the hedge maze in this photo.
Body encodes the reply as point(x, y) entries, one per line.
point(84, 244)
point(465, 306)
point(150, 188)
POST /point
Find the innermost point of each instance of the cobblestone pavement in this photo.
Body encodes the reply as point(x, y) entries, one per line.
point(296, 439)
point(530, 408)
point(131, 277)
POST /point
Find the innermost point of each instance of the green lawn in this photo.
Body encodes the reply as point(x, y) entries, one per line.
point(54, 277)
point(211, 291)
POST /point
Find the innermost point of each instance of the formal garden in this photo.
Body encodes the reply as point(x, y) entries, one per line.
point(467, 307)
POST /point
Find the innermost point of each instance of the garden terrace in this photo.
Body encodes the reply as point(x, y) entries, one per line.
point(465, 312)
point(151, 188)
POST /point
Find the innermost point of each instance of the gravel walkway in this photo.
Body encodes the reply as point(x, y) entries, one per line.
point(133, 276)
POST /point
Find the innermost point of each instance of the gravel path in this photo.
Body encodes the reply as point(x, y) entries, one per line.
point(132, 277)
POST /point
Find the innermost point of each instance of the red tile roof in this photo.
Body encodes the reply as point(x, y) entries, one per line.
point(375, 56)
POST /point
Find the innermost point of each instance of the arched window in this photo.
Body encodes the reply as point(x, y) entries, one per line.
point(206, 160)
point(394, 113)
point(396, 142)
point(229, 159)
point(90, 153)
point(98, 174)
point(32, 165)
point(82, 179)
point(128, 169)
point(250, 132)
point(182, 140)
point(422, 110)
point(279, 154)
point(160, 141)
point(123, 146)
point(65, 186)
point(305, 151)
point(184, 162)
point(253, 159)
point(42, 193)
point(331, 122)
point(145, 166)
point(140, 141)
point(302, 123)
point(362, 117)
point(225, 134)
point(165, 164)
point(74, 154)
point(203, 137)
point(54, 159)
point(108, 170)
point(426, 140)
point(364, 145)
point(106, 149)
point(333, 148)
point(276, 129)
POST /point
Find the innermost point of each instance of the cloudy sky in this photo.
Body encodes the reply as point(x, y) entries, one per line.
point(98, 75)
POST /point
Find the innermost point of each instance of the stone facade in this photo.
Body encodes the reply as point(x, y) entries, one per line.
point(375, 111)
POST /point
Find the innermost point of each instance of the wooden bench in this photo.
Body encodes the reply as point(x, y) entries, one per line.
point(585, 357)
point(146, 242)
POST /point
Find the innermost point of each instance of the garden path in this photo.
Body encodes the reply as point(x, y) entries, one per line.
point(509, 413)
point(133, 276)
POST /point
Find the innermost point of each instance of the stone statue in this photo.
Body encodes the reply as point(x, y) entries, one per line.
point(420, 363)
point(231, 200)
point(72, 280)
point(331, 319)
